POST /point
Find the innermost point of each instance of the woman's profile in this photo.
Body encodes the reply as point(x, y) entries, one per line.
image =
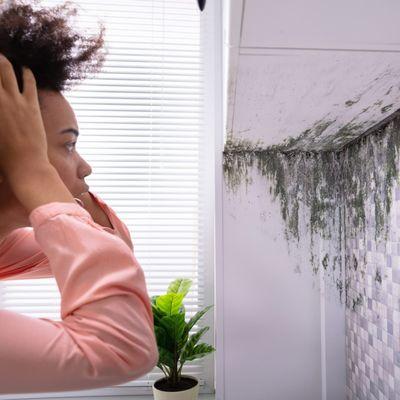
point(51, 225)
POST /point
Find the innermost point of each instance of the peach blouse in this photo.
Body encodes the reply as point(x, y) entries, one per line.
point(106, 335)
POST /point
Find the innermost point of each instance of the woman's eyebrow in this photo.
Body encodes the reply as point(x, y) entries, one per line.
point(70, 130)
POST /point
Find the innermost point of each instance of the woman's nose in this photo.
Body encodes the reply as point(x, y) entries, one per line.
point(85, 169)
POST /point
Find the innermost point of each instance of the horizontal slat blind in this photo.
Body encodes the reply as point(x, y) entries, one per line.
point(141, 123)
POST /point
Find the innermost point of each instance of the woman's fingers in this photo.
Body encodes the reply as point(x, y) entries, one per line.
point(8, 80)
point(23, 141)
point(7, 75)
point(29, 85)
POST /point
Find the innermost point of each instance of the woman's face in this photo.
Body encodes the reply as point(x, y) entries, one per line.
point(58, 117)
point(60, 124)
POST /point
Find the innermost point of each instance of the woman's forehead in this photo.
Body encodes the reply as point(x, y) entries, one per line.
point(56, 111)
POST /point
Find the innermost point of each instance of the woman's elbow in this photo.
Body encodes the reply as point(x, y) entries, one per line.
point(145, 365)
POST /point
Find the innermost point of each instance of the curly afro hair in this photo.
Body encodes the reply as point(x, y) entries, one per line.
point(42, 40)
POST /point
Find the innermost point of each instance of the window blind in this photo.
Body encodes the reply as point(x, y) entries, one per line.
point(143, 129)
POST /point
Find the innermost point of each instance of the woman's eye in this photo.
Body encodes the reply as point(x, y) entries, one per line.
point(71, 144)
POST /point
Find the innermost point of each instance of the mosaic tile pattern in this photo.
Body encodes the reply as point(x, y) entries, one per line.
point(373, 324)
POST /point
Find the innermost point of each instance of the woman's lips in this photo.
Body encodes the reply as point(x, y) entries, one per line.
point(85, 189)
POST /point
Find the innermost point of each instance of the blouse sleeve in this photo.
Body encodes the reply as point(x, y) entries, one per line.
point(23, 257)
point(106, 336)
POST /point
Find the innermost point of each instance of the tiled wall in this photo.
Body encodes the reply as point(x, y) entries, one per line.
point(372, 325)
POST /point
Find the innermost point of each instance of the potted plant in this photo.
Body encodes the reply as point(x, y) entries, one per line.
point(174, 343)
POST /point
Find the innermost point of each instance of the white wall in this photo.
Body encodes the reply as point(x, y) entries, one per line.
point(271, 314)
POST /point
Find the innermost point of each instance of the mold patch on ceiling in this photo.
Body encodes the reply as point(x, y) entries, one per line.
point(323, 100)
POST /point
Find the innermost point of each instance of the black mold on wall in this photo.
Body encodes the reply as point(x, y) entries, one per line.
point(333, 182)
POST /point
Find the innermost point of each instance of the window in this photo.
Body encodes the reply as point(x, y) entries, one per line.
point(147, 129)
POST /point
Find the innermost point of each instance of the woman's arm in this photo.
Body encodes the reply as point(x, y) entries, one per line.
point(23, 257)
point(106, 336)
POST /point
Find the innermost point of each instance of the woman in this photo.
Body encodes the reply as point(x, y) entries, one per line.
point(106, 336)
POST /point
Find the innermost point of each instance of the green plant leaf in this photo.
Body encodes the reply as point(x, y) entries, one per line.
point(153, 299)
point(161, 336)
point(174, 326)
point(170, 303)
point(184, 339)
point(180, 285)
point(198, 351)
point(195, 318)
point(189, 345)
point(157, 314)
point(165, 357)
point(182, 309)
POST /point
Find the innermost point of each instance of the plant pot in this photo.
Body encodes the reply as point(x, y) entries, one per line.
point(188, 390)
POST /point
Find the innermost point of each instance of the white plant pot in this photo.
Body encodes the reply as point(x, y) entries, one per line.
point(189, 394)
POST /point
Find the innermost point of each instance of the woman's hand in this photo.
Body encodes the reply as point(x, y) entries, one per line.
point(23, 143)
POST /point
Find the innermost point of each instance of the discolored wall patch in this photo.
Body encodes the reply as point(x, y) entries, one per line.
point(334, 184)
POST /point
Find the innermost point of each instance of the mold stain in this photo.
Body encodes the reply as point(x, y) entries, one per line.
point(357, 302)
point(349, 103)
point(378, 276)
point(338, 187)
point(355, 262)
point(364, 110)
point(325, 261)
point(312, 140)
point(386, 108)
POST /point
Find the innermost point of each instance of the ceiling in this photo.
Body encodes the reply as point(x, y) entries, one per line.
point(322, 73)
